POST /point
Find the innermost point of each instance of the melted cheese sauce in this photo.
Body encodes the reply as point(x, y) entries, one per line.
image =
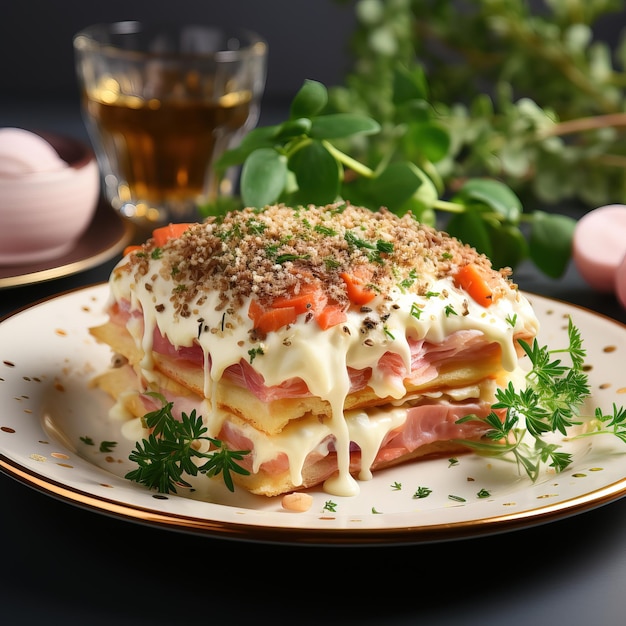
point(321, 358)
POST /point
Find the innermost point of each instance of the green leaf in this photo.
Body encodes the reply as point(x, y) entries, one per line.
point(309, 101)
point(470, 228)
point(493, 194)
point(293, 128)
point(426, 141)
point(336, 125)
point(261, 137)
point(422, 212)
point(220, 206)
point(263, 177)
point(508, 245)
point(394, 185)
point(550, 242)
point(409, 84)
point(317, 174)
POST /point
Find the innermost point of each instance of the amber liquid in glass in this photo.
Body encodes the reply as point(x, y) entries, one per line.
point(162, 149)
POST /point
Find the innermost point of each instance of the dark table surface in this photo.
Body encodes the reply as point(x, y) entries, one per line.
point(62, 564)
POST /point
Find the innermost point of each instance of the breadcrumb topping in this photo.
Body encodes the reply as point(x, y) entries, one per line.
point(273, 252)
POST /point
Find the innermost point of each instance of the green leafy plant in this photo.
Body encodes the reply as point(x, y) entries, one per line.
point(172, 451)
point(303, 160)
point(549, 403)
point(527, 91)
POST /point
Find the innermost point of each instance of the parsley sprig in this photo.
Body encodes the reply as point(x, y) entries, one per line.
point(550, 403)
point(171, 451)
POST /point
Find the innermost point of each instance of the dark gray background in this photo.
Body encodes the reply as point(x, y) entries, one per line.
point(76, 567)
point(307, 38)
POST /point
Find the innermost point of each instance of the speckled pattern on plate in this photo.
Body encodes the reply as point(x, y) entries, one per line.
point(53, 424)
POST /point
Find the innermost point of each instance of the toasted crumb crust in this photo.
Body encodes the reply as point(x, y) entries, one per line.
point(270, 252)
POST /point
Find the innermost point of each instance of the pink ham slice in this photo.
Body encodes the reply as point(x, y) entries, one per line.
point(425, 424)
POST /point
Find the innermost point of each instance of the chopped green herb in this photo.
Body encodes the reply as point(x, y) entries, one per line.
point(170, 452)
point(256, 227)
point(396, 486)
point(422, 492)
point(324, 230)
point(107, 446)
point(483, 493)
point(87, 441)
point(331, 506)
point(283, 258)
point(456, 498)
point(388, 333)
point(416, 311)
point(511, 321)
point(254, 352)
point(409, 281)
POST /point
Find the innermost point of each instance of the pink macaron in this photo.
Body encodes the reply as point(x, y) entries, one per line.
point(599, 246)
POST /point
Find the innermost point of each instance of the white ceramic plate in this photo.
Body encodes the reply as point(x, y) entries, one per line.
point(47, 359)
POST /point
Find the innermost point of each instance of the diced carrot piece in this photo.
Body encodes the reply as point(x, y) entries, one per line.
point(309, 298)
point(331, 315)
point(358, 291)
point(255, 310)
point(130, 249)
point(163, 234)
point(471, 278)
point(268, 320)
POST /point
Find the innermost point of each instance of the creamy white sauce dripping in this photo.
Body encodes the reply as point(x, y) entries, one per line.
point(321, 358)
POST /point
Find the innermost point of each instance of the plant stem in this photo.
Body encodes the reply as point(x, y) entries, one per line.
point(583, 124)
point(348, 161)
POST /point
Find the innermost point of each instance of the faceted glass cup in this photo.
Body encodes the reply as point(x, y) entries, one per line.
point(161, 104)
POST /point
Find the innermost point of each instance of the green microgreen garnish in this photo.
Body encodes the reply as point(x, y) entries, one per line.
point(550, 403)
point(171, 451)
point(396, 486)
point(610, 424)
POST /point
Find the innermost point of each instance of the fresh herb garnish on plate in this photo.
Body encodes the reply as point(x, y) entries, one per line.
point(550, 403)
point(173, 447)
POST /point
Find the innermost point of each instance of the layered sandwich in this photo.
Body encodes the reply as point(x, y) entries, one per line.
point(329, 341)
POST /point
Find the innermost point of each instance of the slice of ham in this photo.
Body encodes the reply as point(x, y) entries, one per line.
point(426, 358)
point(425, 424)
